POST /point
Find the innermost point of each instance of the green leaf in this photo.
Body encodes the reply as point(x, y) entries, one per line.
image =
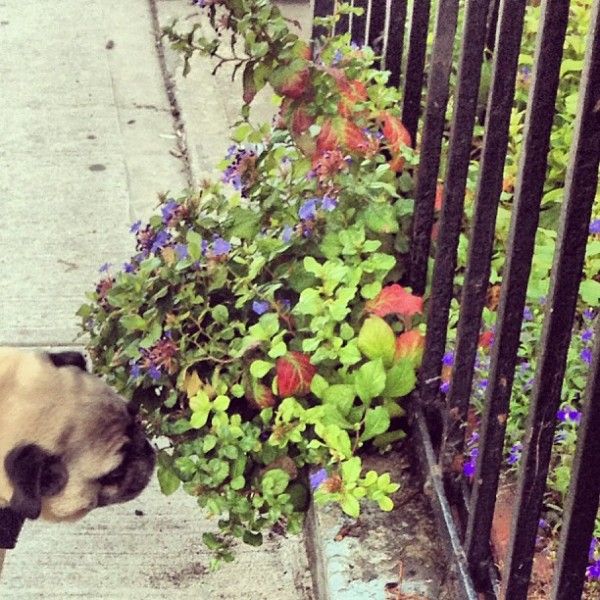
point(370, 290)
point(220, 313)
point(377, 421)
point(168, 480)
point(341, 396)
point(318, 385)
point(381, 218)
point(376, 339)
point(400, 379)
point(589, 290)
point(221, 403)
point(351, 469)
point(349, 354)
point(350, 505)
point(259, 368)
point(133, 323)
point(386, 504)
point(237, 483)
point(370, 380)
point(253, 539)
point(194, 244)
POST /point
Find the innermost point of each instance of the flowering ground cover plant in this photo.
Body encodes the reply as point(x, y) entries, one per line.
point(260, 323)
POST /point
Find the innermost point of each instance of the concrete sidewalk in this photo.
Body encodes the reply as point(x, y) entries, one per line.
point(88, 139)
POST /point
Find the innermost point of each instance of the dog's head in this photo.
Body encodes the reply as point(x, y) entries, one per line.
point(68, 442)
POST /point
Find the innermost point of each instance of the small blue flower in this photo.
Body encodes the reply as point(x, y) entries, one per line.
point(568, 413)
point(160, 241)
point(514, 454)
point(154, 372)
point(586, 355)
point(448, 359)
point(182, 251)
point(543, 524)
point(483, 384)
point(135, 227)
point(593, 545)
point(135, 370)
point(445, 387)
point(587, 335)
point(595, 227)
point(527, 314)
point(285, 304)
point(260, 307)
point(317, 478)
point(328, 203)
point(220, 246)
point(286, 234)
point(231, 151)
point(311, 174)
point(337, 57)
point(588, 314)
point(593, 571)
point(308, 210)
point(469, 468)
point(128, 267)
point(104, 268)
point(168, 210)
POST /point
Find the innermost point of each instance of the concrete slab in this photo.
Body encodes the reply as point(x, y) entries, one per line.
point(148, 549)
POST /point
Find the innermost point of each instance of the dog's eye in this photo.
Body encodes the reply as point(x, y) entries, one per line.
point(114, 477)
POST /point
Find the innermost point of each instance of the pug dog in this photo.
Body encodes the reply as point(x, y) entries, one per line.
point(68, 442)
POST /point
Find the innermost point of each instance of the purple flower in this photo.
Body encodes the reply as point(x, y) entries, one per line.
point(469, 468)
point(286, 234)
point(587, 335)
point(128, 267)
point(220, 246)
point(231, 151)
point(483, 384)
point(311, 174)
point(527, 314)
point(448, 359)
point(586, 355)
point(568, 413)
point(317, 478)
point(160, 241)
point(168, 210)
point(593, 571)
point(104, 268)
point(588, 314)
point(337, 57)
point(260, 307)
point(445, 387)
point(154, 372)
point(204, 246)
point(135, 227)
point(182, 251)
point(595, 227)
point(135, 370)
point(542, 524)
point(328, 203)
point(514, 454)
point(308, 210)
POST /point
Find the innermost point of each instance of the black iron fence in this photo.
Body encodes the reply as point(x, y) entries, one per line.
point(491, 30)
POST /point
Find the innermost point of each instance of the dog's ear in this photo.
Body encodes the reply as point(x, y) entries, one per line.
point(62, 359)
point(34, 473)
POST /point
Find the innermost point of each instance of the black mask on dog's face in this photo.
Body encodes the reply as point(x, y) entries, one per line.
point(80, 447)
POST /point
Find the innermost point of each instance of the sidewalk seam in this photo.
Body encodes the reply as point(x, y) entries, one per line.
point(169, 86)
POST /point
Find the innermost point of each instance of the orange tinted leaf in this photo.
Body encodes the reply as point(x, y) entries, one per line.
point(410, 345)
point(394, 299)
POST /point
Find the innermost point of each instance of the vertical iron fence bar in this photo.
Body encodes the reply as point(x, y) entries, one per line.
point(376, 36)
point(433, 129)
point(580, 189)
point(343, 24)
point(359, 23)
point(482, 237)
point(525, 214)
point(461, 139)
point(584, 492)
point(322, 8)
point(411, 107)
point(492, 24)
point(395, 40)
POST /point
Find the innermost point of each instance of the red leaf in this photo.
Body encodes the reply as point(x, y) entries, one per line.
point(327, 139)
point(395, 299)
point(301, 120)
point(294, 374)
point(397, 136)
point(260, 396)
point(486, 339)
point(355, 139)
point(439, 197)
point(410, 345)
point(352, 92)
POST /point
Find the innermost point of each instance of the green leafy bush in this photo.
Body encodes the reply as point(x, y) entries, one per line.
point(259, 324)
